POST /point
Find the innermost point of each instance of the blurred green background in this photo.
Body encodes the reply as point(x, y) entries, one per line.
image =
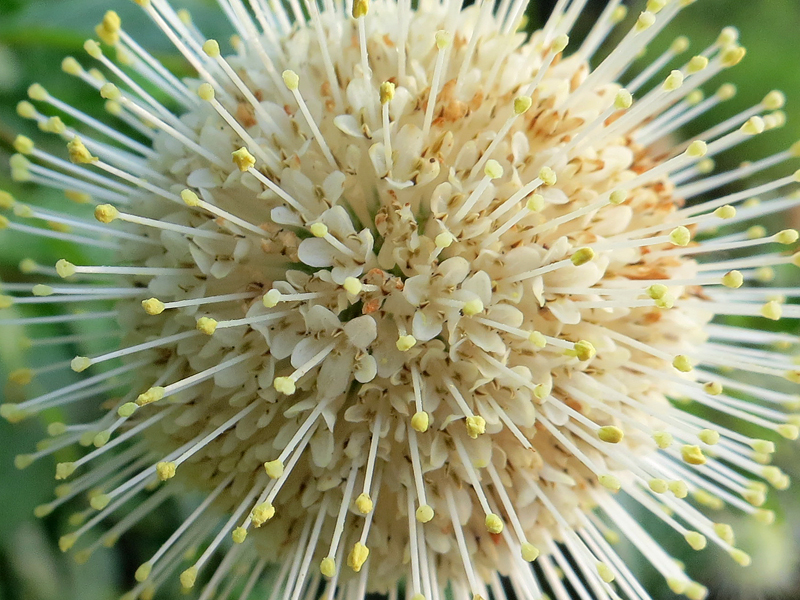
point(36, 34)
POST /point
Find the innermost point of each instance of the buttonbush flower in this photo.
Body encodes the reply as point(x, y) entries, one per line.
point(416, 299)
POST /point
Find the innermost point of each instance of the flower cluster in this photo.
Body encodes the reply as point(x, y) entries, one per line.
point(414, 297)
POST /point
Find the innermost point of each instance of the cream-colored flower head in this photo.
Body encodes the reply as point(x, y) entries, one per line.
point(415, 298)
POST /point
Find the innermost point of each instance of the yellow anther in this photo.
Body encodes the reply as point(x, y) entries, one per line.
point(357, 557)
point(274, 468)
point(561, 42)
point(319, 230)
point(663, 439)
point(741, 557)
point(605, 572)
point(522, 104)
point(732, 56)
point(154, 394)
point(99, 501)
point(243, 159)
point(618, 197)
point(774, 100)
point(657, 291)
point(387, 92)
point(535, 203)
point(291, 79)
point(494, 524)
point(105, 213)
point(207, 325)
point(92, 49)
point(725, 212)
point(53, 125)
point(493, 169)
point(476, 425)
point(271, 298)
point(673, 81)
point(127, 409)
point(65, 269)
point(238, 535)
point(113, 108)
point(788, 431)
point(724, 531)
point(610, 482)
point(143, 572)
point(472, 307)
point(793, 376)
point(12, 413)
point(262, 513)
point(697, 149)
point(65, 542)
point(153, 306)
point(658, 486)
point(529, 552)
point(80, 364)
point(79, 153)
point(211, 48)
point(327, 567)
point(21, 376)
point(679, 488)
point(165, 470)
point(697, 64)
point(682, 363)
point(443, 39)
point(610, 434)
point(772, 310)
point(696, 540)
point(753, 126)
point(444, 239)
point(537, 339)
point(405, 342)
point(6, 301)
point(424, 513)
point(712, 387)
point(787, 236)
point(206, 92)
point(584, 350)
point(764, 516)
point(360, 8)
point(23, 461)
point(623, 100)
point(619, 14)
point(364, 504)
point(420, 421)
point(65, 469)
point(23, 144)
point(6, 200)
point(582, 256)
point(679, 45)
point(352, 286)
point(655, 6)
point(109, 91)
point(693, 455)
point(695, 97)
point(77, 197)
point(188, 577)
point(71, 66)
point(284, 385)
point(762, 446)
point(190, 198)
point(709, 436)
point(645, 21)
point(548, 176)
point(542, 391)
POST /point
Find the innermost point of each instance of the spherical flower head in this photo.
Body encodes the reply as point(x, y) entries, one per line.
point(408, 297)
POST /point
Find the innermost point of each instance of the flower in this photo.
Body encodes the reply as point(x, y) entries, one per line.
point(414, 298)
